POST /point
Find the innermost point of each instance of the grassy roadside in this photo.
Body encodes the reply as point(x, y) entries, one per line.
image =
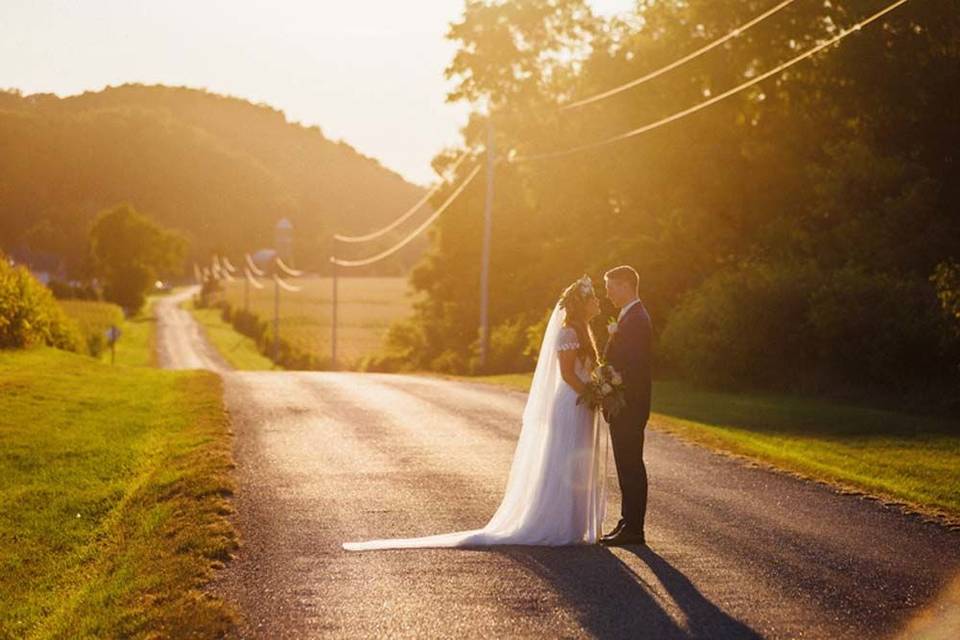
point(908, 459)
point(237, 349)
point(114, 501)
point(137, 346)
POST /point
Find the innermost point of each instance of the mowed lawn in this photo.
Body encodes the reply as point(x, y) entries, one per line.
point(904, 458)
point(367, 308)
point(114, 498)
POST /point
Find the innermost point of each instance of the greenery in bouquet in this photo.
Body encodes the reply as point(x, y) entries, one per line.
point(604, 391)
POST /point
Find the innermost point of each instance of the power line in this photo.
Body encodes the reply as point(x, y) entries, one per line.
point(703, 105)
point(403, 218)
point(219, 271)
point(252, 279)
point(426, 223)
point(284, 285)
point(293, 273)
point(252, 266)
point(677, 63)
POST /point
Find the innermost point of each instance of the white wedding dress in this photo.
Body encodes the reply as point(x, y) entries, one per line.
point(555, 491)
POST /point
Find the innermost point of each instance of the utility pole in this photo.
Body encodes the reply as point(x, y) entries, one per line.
point(333, 321)
point(276, 318)
point(485, 264)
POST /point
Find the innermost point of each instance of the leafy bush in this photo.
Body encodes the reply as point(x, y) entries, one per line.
point(67, 291)
point(946, 280)
point(29, 314)
point(246, 322)
point(449, 361)
point(289, 354)
point(509, 347)
point(401, 351)
point(742, 326)
point(797, 326)
point(535, 336)
point(93, 319)
point(129, 251)
point(878, 329)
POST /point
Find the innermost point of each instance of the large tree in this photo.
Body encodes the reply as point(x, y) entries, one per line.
point(840, 173)
point(129, 252)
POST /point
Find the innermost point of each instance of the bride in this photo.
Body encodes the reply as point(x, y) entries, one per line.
point(554, 493)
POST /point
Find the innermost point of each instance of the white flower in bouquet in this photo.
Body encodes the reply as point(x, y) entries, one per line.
point(604, 390)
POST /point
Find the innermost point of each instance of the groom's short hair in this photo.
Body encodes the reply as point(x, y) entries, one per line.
point(624, 273)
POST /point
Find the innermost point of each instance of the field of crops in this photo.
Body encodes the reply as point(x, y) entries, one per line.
point(367, 308)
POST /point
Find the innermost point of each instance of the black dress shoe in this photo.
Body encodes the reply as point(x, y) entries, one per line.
point(617, 529)
point(623, 538)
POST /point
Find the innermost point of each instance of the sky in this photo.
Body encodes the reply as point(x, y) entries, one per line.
point(369, 72)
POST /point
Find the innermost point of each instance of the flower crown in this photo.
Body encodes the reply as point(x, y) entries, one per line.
point(582, 289)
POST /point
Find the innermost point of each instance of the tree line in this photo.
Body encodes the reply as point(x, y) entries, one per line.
point(801, 235)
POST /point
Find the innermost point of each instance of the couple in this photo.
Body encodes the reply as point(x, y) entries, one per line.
point(554, 494)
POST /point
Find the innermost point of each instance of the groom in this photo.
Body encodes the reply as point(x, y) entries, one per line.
point(628, 351)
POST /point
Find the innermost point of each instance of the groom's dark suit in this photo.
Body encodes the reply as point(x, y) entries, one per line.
point(629, 351)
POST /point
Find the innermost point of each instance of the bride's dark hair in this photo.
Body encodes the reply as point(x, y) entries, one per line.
point(573, 300)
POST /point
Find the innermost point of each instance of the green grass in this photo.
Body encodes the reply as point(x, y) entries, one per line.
point(237, 349)
point(137, 346)
point(94, 318)
point(113, 502)
point(137, 343)
point(367, 308)
point(910, 459)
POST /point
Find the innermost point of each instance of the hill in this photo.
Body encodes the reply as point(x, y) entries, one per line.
point(220, 169)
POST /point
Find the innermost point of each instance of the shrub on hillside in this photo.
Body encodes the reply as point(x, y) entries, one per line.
point(29, 314)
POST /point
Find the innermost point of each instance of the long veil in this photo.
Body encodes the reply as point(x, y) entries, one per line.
point(516, 511)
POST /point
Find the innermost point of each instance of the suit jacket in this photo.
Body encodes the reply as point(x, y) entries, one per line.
point(629, 352)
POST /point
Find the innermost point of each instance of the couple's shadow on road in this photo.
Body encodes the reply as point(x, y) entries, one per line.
point(612, 601)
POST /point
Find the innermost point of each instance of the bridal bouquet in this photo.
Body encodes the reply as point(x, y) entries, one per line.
point(605, 390)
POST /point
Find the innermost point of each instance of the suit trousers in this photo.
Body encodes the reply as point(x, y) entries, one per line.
point(626, 434)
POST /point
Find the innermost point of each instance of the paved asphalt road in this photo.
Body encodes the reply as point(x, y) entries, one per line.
point(734, 551)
